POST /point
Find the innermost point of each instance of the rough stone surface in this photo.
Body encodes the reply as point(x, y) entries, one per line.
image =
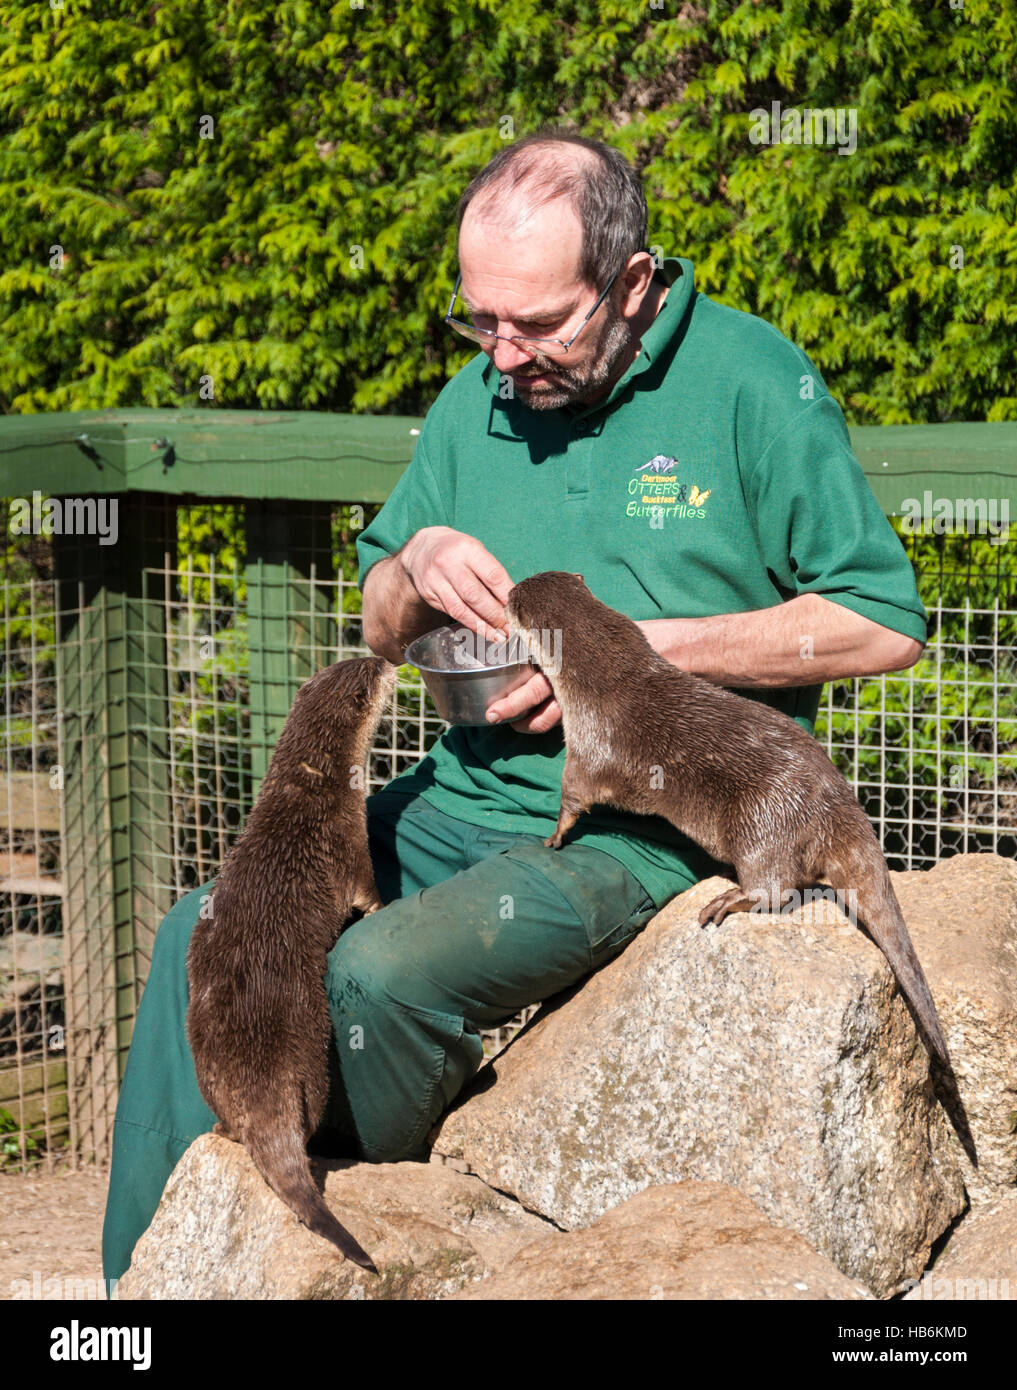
point(691, 1240)
point(979, 1260)
point(221, 1233)
point(962, 916)
point(771, 1054)
point(775, 1054)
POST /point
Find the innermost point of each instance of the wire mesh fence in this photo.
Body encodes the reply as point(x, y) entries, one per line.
point(140, 711)
point(33, 1067)
point(932, 752)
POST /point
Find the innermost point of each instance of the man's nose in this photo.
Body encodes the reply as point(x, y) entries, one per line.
point(509, 357)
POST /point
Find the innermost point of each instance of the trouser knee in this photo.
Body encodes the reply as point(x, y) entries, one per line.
point(404, 1050)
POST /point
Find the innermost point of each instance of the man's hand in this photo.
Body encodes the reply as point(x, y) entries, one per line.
point(455, 574)
point(534, 701)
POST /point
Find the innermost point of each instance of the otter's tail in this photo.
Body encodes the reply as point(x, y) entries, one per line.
point(281, 1158)
point(880, 913)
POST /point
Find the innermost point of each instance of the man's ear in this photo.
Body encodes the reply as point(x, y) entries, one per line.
point(636, 280)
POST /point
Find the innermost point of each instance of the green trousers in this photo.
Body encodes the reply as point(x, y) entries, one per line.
point(477, 924)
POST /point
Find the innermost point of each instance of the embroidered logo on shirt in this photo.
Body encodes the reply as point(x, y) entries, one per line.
point(660, 463)
point(655, 496)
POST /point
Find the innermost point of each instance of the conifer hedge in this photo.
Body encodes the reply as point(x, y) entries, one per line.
point(253, 206)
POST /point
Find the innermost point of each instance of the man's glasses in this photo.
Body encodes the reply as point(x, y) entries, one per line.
point(484, 336)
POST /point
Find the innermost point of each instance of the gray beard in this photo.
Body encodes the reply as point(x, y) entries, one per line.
point(577, 383)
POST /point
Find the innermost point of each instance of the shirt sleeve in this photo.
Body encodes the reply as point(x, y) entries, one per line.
point(415, 501)
point(820, 528)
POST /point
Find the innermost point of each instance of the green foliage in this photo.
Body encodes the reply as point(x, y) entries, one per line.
point(944, 725)
point(27, 650)
point(208, 644)
point(28, 617)
point(212, 553)
point(300, 257)
point(11, 1140)
point(347, 523)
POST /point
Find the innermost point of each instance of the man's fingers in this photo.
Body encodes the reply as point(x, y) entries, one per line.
point(484, 616)
point(476, 608)
point(536, 691)
point(493, 575)
point(468, 601)
point(539, 720)
point(485, 590)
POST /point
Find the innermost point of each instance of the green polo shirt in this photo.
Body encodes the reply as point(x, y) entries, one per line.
point(716, 477)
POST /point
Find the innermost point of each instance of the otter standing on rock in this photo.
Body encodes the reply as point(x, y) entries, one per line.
point(258, 1020)
point(740, 778)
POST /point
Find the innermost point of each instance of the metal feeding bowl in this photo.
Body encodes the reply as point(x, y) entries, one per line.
point(464, 673)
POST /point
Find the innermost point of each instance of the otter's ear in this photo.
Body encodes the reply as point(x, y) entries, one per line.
point(578, 576)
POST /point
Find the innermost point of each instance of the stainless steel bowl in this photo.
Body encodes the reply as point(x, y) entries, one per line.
point(464, 674)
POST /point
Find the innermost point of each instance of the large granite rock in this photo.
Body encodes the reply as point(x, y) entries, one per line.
point(436, 1233)
point(691, 1240)
point(979, 1259)
point(962, 916)
point(774, 1054)
point(221, 1233)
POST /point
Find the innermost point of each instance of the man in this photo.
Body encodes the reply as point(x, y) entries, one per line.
point(687, 460)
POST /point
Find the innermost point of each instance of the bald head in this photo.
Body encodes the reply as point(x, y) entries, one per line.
point(602, 190)
point(543, 189)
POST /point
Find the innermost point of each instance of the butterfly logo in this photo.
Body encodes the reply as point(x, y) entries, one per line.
point(697, 498)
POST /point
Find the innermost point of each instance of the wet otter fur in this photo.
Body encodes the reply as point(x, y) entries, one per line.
point(258, 1020)
point(739, 777)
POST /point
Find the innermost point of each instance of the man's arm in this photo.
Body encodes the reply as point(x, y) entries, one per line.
point(394, 613)
point(805, 641)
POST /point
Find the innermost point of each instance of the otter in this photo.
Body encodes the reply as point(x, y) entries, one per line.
point(740, 778)
point(258, 1020)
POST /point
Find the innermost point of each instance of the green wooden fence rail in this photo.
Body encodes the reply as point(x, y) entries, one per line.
point(314, 455)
